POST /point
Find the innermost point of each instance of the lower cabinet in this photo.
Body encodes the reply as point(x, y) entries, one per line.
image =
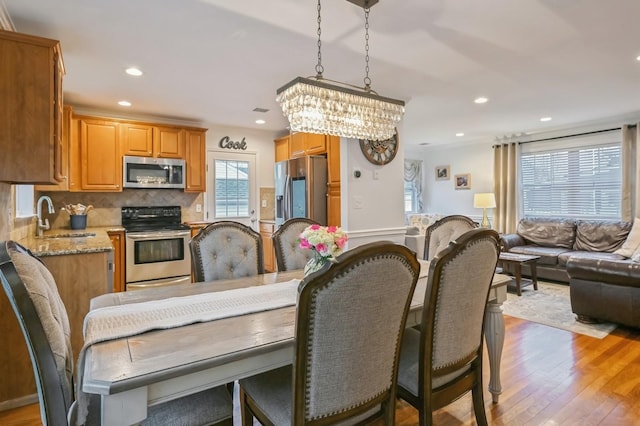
point(80, 278)
point(266, 232)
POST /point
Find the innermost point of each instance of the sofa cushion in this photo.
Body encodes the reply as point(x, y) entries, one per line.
point(590, 255)
point(548, 255)
point(601, 236)
point(548, 232)
point(632, 243)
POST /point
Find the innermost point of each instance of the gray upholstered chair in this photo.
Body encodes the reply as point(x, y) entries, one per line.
point(443, 231)
point(34, 297)
point(286, 242)
point(349, 322)
point(226, 250)
point(442, 360)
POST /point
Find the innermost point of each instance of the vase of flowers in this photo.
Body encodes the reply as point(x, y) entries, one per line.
point(325, 242)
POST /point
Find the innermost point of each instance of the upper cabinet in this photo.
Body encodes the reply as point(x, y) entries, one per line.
point(282, 148)
point(144, 140)
point(95, 155)
point(301, 144)
point(31, 109)
point(196, 145)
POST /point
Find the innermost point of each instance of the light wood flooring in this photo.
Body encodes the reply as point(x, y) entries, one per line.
point(549, 377)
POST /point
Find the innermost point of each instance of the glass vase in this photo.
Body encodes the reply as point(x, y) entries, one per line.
point(314, 264)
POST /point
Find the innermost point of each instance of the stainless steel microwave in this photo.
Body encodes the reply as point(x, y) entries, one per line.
point(148, 172)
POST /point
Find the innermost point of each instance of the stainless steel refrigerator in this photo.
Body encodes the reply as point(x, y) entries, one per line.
point(301, 189)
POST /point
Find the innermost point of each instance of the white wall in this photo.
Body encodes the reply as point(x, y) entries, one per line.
point(372, 208)
point(258, 141)
point(441, 196)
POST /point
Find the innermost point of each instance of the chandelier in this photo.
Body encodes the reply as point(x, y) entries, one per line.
point(319, 105)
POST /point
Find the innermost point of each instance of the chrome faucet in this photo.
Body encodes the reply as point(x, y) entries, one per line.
point(45, 225)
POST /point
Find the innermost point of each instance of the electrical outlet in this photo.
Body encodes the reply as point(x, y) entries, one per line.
point(264, 203)
point(198, 208)
point(376, 175)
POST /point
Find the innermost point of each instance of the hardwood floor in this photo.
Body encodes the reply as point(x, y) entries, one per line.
point(549, 377)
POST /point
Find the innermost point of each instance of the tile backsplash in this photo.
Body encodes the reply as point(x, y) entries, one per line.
point(267, 203)
point(107, 205)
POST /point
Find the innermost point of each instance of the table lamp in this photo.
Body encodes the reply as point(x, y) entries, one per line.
point(484, 201)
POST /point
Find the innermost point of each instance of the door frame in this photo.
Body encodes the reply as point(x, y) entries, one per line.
point(209, 196)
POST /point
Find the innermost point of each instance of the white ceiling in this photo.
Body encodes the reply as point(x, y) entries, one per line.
point(214, 61)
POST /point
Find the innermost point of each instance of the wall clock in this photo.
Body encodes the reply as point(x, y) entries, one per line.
point(380, 152)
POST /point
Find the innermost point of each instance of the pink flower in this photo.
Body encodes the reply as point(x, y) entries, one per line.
point(314, 227)
point(332, 229)
point(304, 244)
point(341, 242)
point(321, 247)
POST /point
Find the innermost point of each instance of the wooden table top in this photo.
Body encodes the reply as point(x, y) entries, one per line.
point(148, 358)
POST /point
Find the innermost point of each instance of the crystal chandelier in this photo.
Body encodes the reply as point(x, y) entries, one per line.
point(319, 105)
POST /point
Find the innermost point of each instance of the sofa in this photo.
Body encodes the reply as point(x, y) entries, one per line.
point(593, 257)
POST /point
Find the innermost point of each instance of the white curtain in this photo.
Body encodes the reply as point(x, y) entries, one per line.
point(630, 172)
point(413, 173)
point(505, 181)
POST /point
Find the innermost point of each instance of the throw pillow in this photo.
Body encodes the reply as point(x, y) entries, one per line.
point(632, 244)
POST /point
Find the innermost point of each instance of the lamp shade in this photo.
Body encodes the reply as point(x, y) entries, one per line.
point(484, 200)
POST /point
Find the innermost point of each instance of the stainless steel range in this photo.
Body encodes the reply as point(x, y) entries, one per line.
point(157, 247)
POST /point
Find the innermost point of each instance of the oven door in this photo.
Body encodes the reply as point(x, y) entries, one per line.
point(162, 257)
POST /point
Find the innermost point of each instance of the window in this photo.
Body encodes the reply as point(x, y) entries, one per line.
point(412, 186)
point(578, 177)
point(410, 198)
point(231, 188)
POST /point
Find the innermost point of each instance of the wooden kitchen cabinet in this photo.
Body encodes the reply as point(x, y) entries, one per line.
point(269, 257)
point(301, 144)
point(30, 109)
point(297, 144)
point(147, 140)
point(282, 148)
point(315, 144)
point(117, 241)
point(333, 177)
point(80, 278)
point(195, 156)
point(64, 160)
point(95, 155)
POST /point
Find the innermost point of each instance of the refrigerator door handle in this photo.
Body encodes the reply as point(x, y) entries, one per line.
point(287, 197)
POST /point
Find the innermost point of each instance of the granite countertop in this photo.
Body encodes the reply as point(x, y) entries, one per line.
point(49, 245)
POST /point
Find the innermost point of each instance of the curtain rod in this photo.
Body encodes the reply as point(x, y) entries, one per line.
point(571, 136)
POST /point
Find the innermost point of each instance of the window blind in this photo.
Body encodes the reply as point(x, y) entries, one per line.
point(579, 178)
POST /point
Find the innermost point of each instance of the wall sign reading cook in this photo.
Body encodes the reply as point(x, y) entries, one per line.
point(227, 143)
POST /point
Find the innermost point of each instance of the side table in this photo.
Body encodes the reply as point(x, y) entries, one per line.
point(518, 260)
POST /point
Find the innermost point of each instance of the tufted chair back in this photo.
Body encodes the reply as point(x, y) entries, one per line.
point(443, 231)
point(286, 242)
point(226, 250)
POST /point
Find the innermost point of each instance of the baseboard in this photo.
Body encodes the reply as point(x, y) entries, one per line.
point(19, 402)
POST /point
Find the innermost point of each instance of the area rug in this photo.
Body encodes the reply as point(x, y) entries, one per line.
point(550, 305)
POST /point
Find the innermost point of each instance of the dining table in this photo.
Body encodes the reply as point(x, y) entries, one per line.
point(133, 372)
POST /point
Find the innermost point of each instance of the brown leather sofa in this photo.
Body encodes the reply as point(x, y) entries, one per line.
point(603, 285)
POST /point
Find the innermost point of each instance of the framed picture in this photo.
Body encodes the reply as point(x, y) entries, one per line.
point(442, 173)
point(463, 181)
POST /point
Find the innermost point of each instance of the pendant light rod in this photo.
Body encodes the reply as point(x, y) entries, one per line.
point(363, 3)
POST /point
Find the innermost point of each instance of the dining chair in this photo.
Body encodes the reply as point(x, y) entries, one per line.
point(226, 250)
point(286, 242)
point(349, 322)
point(442, 360)
point(443, 231)
point(34, 297)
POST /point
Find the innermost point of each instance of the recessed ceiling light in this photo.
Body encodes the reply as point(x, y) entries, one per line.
point(260, 121)
point(637, 58)
point(459, 134)
point(481, 100)
point(545, 119)
point(124, 103)
point(133, 71)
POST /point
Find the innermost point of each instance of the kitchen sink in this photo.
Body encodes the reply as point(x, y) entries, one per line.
point(72, 235)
